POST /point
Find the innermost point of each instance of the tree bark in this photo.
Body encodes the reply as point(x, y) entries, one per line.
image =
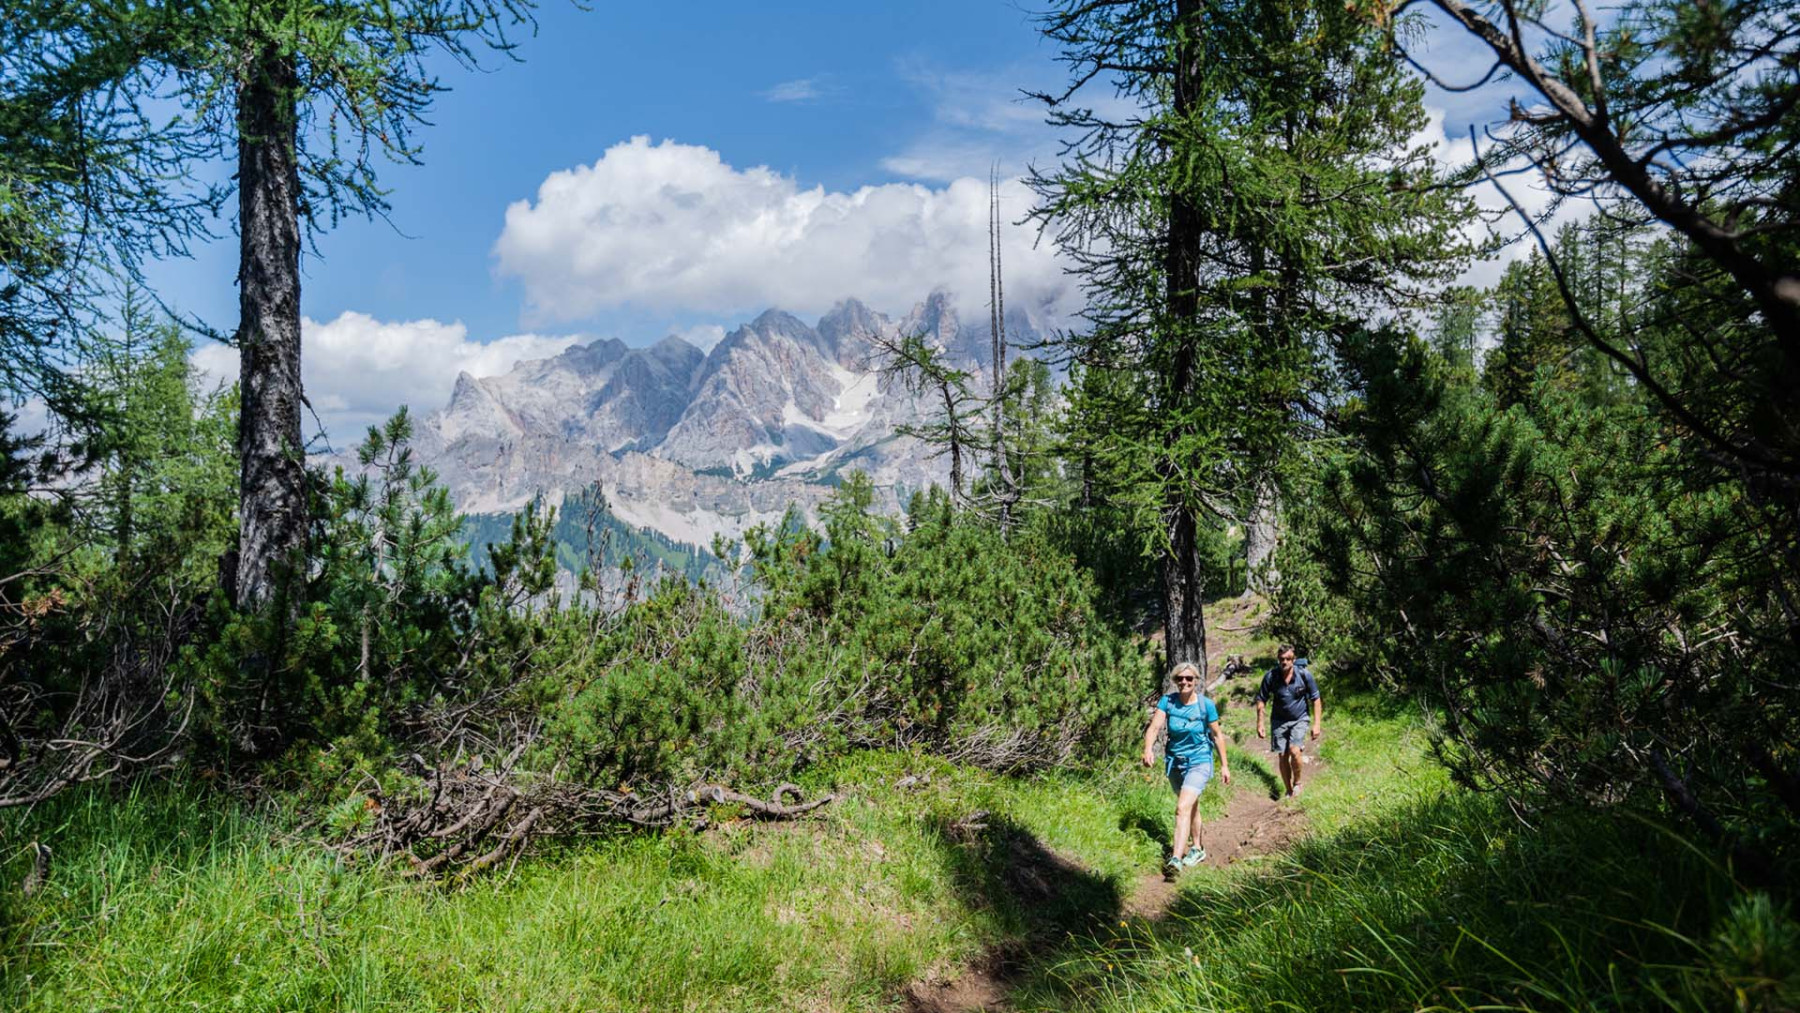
point(271, 490)
point(1262, 532)
point(1184, 625)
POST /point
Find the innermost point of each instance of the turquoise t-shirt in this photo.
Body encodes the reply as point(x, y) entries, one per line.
point(1190, 736)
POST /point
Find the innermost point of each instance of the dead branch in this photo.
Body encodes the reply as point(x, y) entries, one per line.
point(466, 819)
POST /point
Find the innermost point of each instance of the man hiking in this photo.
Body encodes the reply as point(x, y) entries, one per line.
point(1194, 739)
point(1291, 688)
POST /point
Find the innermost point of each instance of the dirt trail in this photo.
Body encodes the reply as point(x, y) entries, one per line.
point(1255, 824)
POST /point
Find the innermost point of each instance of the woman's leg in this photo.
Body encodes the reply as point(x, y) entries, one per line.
point(1195, 824)
point(1187, 820)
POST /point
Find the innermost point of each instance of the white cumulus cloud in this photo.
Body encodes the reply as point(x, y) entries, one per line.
point(668, 226)
point(358, 369)
point(1495, 218)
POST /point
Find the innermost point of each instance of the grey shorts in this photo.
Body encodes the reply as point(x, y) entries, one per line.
point(1191, 777)
point(1291, 735)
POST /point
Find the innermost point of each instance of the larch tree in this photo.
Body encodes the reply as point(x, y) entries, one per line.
point(1685, 117)
point(89, 183)
point(306, 97)
point(1587, 553)
point(1258, 193)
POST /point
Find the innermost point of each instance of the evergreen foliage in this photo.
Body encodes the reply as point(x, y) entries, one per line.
point(111, 568)
point(91, 184)
point(587, 533)
point(1541, 555)
point(1265, 193)
point(939, 634)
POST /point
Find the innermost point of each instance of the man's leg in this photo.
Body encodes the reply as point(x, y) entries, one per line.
point(1294, 764)
point(1279, 743)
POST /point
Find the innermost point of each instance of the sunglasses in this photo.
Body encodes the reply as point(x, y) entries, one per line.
point(1184, 678)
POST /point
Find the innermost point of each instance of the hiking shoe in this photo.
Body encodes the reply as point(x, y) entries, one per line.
point(1194, 856)
point(1172, 869)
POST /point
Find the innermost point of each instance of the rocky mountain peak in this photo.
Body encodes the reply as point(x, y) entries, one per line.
point(674, 345)
point(935, 319)
point(849, 330)
point(474, 408)
point(773, 414)
point(591, 358)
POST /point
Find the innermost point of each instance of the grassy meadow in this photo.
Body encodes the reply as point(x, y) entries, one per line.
point(1408, 894)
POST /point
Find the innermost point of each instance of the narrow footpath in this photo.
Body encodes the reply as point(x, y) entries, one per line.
point(1254, 825)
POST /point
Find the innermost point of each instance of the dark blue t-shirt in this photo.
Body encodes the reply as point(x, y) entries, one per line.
point(1190, 736)
point(1290, 697)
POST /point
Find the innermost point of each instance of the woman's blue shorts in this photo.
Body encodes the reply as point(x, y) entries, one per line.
point(1191, 777)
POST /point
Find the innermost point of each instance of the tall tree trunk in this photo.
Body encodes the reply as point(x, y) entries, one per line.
point(272, 494)
point(1184, 625)
point(1005, 480)
point(1262, 531)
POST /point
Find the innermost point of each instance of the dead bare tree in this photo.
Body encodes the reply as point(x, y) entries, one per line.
point(988, 428)
point(1004, 474)
point(924, 370)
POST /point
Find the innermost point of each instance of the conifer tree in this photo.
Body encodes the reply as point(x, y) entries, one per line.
point(1261, 195)
point(304, 97)
point(308, 95)
point(89, 182)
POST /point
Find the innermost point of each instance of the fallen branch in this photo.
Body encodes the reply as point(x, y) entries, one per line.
point(468, 819)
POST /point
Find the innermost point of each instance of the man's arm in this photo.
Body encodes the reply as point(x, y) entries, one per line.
point(1259, 721)
point(1157, 720)
point(1318, 721)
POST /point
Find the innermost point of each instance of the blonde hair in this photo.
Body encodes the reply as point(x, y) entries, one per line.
point(1180, 665)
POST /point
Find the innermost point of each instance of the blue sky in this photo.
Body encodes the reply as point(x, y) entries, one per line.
point(647, 169)
point(874, 109)
point(864, 85)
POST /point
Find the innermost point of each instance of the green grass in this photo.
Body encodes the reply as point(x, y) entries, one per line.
point(165, 898)
point(1411, 895)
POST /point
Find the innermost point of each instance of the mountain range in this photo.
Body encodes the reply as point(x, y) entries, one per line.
point(693, 444)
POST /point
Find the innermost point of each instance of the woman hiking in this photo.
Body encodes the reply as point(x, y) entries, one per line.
point(1194, 739)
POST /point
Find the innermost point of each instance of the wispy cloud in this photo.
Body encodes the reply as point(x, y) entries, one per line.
point(984, 118)
point(805, 89)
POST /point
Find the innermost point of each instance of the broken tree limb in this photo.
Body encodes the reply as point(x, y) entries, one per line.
point(466, 819)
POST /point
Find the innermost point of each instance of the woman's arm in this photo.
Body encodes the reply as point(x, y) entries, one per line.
point(1218, 737)
point(1157, 721)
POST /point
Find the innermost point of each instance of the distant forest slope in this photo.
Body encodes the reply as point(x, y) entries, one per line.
point(584, 517)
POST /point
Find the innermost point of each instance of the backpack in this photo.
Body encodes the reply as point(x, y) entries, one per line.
point(1267, 691)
